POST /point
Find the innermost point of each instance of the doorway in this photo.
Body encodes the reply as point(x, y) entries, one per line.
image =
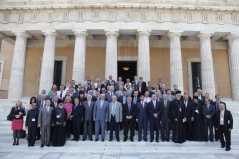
point(196, 72)
point(127, 69)
point(57, 73)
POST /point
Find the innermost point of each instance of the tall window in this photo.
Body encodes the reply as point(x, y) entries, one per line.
point(1, 71)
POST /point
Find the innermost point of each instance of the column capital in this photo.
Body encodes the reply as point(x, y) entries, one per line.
point(112, 33)
point(21, 33)
point(49, 33)
point(205, 34)
point(232, 35)
point(143, 32)
point(174, 33)
point(79, 32)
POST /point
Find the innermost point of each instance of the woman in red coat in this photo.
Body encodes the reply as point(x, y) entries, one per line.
point(17, 114)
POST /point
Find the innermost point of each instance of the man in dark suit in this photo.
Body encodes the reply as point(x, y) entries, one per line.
point(31, 124)
point(197, 84)
point(144, 85)
point(129, 114)
point(165, 105)
point(189, 111)
point(208, 113)
point(154, 110)
point(135, 98)
point(54, 104)
point(224, 124)
point(88, 117)
point(109, 81)
point(141, 89)
point(77, 118)
point(142, 118)
point(122, 99)
point(216, 105)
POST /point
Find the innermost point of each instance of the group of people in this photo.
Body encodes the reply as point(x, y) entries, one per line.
point(93, 108)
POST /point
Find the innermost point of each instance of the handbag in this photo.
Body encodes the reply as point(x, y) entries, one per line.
point(9, 117)
point(22, 134)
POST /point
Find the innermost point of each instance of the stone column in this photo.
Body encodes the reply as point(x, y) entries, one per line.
point(143, 63)
point(18, 65)
point(111, 54)
point(233, 44)
point(176, 70)
point(207, 71)
point(47, 67)
point(78, 73)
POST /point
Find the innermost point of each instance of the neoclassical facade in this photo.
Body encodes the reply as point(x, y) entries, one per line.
point(164, 38)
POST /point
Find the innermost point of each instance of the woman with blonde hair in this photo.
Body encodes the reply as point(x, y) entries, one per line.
point(68, 106)
point(16, 115)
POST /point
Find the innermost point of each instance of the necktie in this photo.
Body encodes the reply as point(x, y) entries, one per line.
point(55, 104)
point(47, 109)
point(165, 104)
point(154, 104)
point(75, 107)
point(101, 103)
point(111, 94)
point(142, 105)
point(217, 105)
point(185, 104)
point(208, 107)
point(129, 109)
point(134, 100)
point(61, 95)
point(113, 111)
point(89, 104)
point(42, 104)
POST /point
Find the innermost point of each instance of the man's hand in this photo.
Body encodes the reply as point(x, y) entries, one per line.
point(137, 120)
point(26, 127)
point(208, 116)
point(230, 129)
point(176, 119)
point(155, 115)
point(106, 120)
point(94, 119)
point(39, 125)
point(64, 124)
point(71, 117)
point(192, 118)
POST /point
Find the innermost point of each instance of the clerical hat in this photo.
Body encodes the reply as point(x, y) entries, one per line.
point(195, 97)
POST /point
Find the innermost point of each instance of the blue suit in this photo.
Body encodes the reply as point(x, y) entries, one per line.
point(142, 116)
point(108, 97)
point(100, 115)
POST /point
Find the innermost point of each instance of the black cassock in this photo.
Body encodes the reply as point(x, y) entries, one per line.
point(198, 126)
point(178, 111)
point(59, 116)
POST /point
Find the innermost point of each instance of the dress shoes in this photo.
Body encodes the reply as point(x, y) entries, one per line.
point(42, 146)
point(157, 140)
point(73, 140)
point(48, 145)
point(139, 140)
point(96, 140)
point(102, 140)
point(118, 140)
point(151, 140)
point(227, 149)
point(111, 140)
point(222, 146)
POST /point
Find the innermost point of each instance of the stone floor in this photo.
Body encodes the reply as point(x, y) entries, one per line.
point(115, 150)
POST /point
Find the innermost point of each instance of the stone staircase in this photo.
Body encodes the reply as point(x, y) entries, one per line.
point(109, 150)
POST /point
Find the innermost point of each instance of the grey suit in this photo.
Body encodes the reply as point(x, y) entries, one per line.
point(114, 119)
point(44, 118)
point(88, 117)
point(100, 115)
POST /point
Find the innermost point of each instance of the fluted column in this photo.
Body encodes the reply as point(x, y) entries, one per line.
point(233, 44)
point(18, 65)
point(78, 73)
point(207, 71)
point(143, 63)
point(111, 54)
point(176, 70)
point(47, 67)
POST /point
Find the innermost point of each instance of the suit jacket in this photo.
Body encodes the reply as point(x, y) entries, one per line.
point(39, 103)
point(77, 113)
point(165, 110)
point(215, 105)
point(137, 100)
point(153, 110)
point(202, 99)
point(132, 112)
point(44, 118)
point(170, 97)
point(210, 111)
point(228, 120)
point(88, 111)
point(142, 113)
point(109, 82)
point(32, 114)
point(118, 111)
point(119, 93)
point(59, 93)
point(101, 113)
point(129, 92)
point(151, 93)
point(108, 97)
point(121, 100)
point(142, 91)
point(143, 85)
point(53, 105)
point(189, 109)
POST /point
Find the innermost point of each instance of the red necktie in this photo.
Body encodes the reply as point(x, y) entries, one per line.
point(61, 95)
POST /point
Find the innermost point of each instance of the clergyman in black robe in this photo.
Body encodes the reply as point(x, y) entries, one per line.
point(59, 118)
point(178, 117)
point(198, 128)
